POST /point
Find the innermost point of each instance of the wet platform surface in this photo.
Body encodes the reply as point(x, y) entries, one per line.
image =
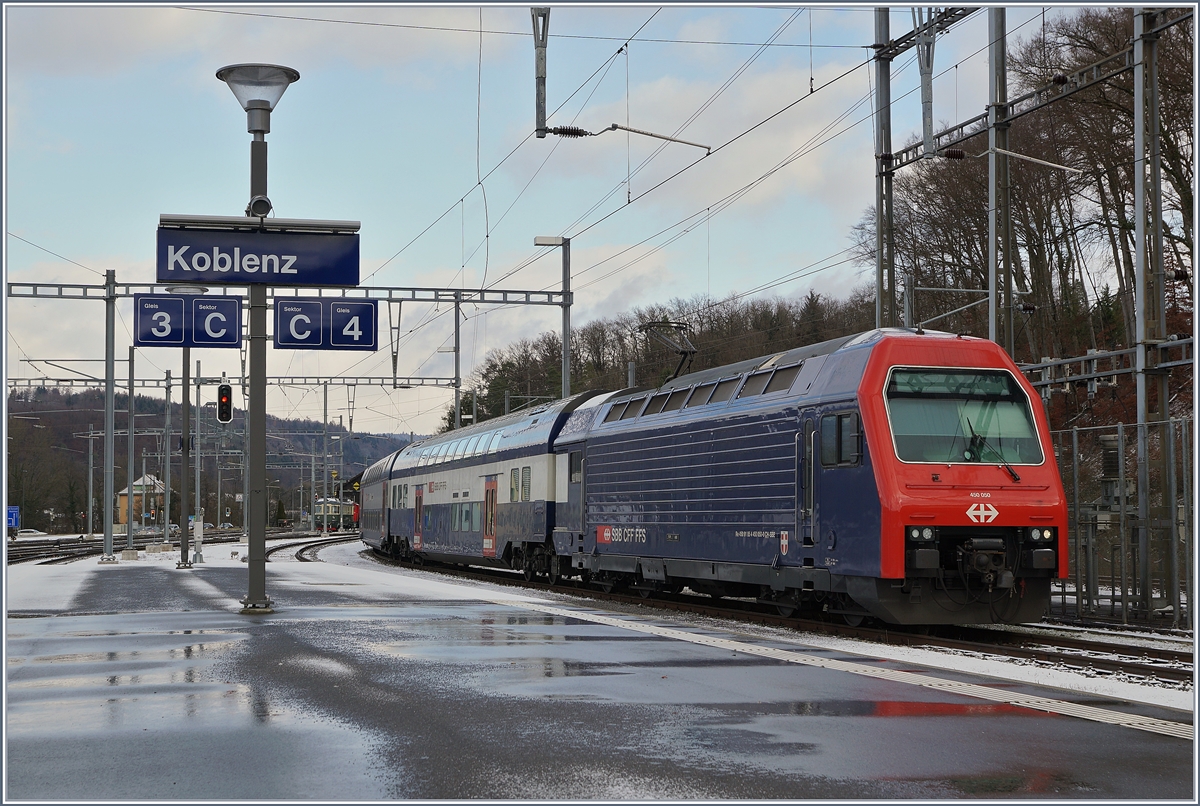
point(141, 681)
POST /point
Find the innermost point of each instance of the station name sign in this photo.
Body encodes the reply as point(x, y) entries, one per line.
point(203, 256)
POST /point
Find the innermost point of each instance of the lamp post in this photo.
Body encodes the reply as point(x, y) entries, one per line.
point(565, 243)
point(258, 88)
point(338, 477)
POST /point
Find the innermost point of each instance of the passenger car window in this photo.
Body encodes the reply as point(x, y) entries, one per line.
point(615, 412)
point(724, 390)
point(525, 479)
point(633, 408)
point(675, 401)
point(656, 403)
point(514, 485)
point(755, 384)
point(701, 395)
point(782, 380)
point(575, 462)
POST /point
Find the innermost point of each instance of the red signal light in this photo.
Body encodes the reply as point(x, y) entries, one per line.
point(224, 403)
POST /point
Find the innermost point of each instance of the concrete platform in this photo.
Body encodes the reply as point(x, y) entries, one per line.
point(141, 681)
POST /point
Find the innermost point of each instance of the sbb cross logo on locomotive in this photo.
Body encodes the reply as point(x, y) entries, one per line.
point(620, 534)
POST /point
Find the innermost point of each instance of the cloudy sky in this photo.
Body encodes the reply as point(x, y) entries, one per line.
point(418, 122)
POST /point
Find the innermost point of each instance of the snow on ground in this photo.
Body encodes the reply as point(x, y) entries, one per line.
point(34, 588)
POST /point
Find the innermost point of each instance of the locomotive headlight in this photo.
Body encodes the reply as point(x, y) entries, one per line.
point(919, 534)
point(1047, 534)
point(1038, 533)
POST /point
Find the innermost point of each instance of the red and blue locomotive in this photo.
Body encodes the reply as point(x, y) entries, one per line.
point(898, 475)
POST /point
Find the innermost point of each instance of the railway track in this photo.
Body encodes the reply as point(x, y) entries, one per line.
point(68, 549)
point(1174, 665)
point(307, 551)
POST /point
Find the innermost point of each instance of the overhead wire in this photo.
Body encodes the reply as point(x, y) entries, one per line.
point(721, 204)
point(451, 29)
point(795, 154)
point(56, 254)
point(679, 129)
point(425, 321)
point(494, 168)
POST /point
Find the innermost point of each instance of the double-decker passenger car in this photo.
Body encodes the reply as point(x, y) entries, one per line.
point(482, 494)
point(903, 475)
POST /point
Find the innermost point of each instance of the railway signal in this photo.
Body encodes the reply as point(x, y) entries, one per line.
point(224, 403)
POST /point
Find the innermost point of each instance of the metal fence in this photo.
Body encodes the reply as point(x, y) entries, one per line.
point(1131, 550)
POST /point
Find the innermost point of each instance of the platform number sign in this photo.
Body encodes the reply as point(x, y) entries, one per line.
point(162, 320)
point(326, 324)
point(352, 325)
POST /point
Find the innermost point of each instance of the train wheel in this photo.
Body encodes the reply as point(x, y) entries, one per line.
point(553, 574)
point(853, 619)
point(527, 567)
point(785, 609)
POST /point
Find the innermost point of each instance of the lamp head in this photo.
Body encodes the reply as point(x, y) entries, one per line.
point(258, 85)
point(258, 88)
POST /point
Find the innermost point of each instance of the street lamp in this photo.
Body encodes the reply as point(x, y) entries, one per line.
point(258, 88)
point(565, 243)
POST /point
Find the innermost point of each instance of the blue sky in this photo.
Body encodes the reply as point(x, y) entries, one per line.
point(114, 115)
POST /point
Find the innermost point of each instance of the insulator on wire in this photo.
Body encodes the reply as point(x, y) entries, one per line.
point(954, 154)
point(1028, 307)
point(1180, 275)
point(1059, 79)
point(570, 131)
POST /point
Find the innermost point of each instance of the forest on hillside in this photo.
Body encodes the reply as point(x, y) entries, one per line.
point(1072, 257)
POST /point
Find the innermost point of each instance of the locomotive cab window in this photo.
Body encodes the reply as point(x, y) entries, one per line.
point(575, 463)
point(961, 415)
point(840, 440)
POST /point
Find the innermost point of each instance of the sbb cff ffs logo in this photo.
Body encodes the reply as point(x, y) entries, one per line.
point(224, 403)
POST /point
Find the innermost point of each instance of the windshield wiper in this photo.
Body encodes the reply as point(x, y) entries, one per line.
point(974, 453)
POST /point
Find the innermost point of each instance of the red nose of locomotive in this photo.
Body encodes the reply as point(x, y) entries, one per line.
point(969, 486)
